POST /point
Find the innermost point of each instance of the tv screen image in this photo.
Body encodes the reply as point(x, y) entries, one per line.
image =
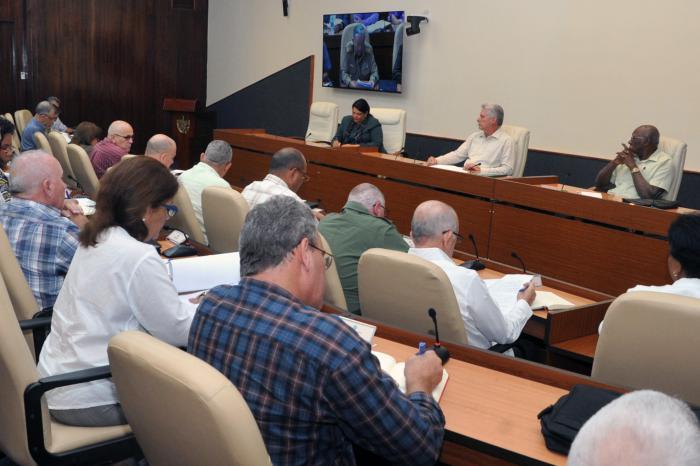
point(363, 50)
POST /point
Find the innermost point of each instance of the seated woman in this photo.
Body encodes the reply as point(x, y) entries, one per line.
point(116, 282)
point(360, 128)
point(86, 135)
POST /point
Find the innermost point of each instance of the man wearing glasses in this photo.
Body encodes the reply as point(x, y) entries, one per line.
point(44, 116)
point(434, 230)
point(110, 150)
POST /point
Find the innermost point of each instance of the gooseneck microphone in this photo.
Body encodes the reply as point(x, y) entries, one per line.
point(515, 256)
point(475, 264)
point(440, 350)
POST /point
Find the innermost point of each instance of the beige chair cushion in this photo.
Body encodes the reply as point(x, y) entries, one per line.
point(22, 119)
point(83, 170)
point(42, 143)
point(393, 122)
point(676, 149)
point(521, 142)
point(333, 293)
point(651, 340)
point(223, 212)
point(185, 220)
point(323, 122)
point(58, 149)
point(398, 289)
point(182, 410)
point(21, 296)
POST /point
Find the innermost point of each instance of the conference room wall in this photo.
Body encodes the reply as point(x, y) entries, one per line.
point(580, 75)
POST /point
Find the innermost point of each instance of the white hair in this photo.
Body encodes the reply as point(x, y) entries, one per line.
point(642, 428)
point(29, 169)
point(367, 195)
point(431, 219)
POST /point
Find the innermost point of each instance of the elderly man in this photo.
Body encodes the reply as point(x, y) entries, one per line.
point(435, 232)
point(489, 151)
point(213, 164)
point(359, 68)
point(7, 129)
point(44, 116)
point(110, 150)
point(640, 170)
point(312, 383)
point(642, 428)
point(286, 175)
point(58, 125)
point(162, 148)
point(38, 223)
point(360, 226)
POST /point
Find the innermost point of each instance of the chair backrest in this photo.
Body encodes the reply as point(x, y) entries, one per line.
point(182, 410)
point(223, 212)
point(346, 37)
point(42, 143)
point(521, 142)
point(22, 119)
point(676, 149)
point(59, 149)
point(15, 135)
point(83, 170)
point(650, 340)
point(21, 296)
point(398, 289)
point(333, 293)
point(185, 219)
point(323, 122)
point(393, 122)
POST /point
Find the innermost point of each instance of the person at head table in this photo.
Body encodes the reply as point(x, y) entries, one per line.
point(489, 151)
point(640, 169)
point(360, 128)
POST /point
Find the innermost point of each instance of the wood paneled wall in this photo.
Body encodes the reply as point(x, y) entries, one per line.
point(111, 59)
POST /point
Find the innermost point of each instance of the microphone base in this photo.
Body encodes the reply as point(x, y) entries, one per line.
point(442, 353)
point(474, 265)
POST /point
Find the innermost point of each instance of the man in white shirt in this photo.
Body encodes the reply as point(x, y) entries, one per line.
point(489, 151)
point(286, 175)
point(434, 230)
point(162, 148)
point(213, 164)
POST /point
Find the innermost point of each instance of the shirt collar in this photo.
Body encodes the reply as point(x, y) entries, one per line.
point(276, 180)
point(51, 210)
point(430, 254)
point(356, 207)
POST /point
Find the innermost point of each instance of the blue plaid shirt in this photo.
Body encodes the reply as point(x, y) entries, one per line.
point(311, 382)
point(44, 243)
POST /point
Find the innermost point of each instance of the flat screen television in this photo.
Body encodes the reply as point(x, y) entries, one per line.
point(363, 50)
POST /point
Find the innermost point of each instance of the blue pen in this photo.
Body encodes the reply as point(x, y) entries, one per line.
point(421, 348)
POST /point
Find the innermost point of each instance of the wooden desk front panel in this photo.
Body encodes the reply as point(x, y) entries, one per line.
point(592, 256)
point(247, 167)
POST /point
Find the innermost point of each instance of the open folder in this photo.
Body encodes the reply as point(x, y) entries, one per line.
point(504, 292)
point(204, 272)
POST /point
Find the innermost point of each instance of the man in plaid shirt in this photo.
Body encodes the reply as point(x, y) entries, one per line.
point(43, 239)
point(311, 382)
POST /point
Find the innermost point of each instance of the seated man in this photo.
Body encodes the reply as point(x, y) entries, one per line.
point(44, 116)
point(359, 69)
point(360, 226)
point(286, 175)
point(43, 239)
point(213, 164)
point(110, 150)
point(162, 148)
point(7, 151)
point(434, 230)
point(311, 382)
point(642, 428)
point(489, 151)
point(640, 170)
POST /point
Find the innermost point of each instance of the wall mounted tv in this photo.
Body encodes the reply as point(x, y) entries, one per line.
point(363, 50)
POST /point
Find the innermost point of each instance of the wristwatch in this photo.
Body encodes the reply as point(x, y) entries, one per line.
point(636, 170)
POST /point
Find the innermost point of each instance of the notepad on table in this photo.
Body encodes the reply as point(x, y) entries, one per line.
point(204, 272)
point(504, 292)
point(395, 370)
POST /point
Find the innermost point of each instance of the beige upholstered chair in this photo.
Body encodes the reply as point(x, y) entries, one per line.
point(398, 289)
point(223, 211)
point(83, 170)
point(323, 122)
point(651, 340)
point(676, 149)
point(333, 293)
point(15, 136)
point(521, 140)
point(185, 220)
point(42, 143)
point(393, 122)
point(59, 149)
point(31, 438)
point(182, 410)
point(22, 119)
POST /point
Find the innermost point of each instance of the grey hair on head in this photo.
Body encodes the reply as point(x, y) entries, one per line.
point(271, 231)
point(431, 219)
point(29, 170)
point(366, 194)
point(44, 108)
point(494, 111)
point(218, 152)
point(286, 158)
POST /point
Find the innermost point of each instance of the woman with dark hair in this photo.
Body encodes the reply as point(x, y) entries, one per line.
point(116, 282)
point(360, 128)
point(7, 151)
point(86, 135)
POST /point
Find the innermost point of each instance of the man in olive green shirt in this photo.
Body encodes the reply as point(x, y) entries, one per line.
point(360, 226)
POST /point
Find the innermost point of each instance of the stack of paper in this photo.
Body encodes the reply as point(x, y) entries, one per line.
point(204, 272)
point(504, 292)
point(395, 370)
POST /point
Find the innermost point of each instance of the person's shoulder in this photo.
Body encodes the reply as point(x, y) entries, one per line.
point(346, 120)
point(662, 156)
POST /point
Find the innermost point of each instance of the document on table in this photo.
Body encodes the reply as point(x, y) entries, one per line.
point(395, 370)
point(204, 272)
point(450, 168)
point(504, 292)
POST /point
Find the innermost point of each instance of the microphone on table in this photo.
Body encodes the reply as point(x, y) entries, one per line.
point(515, 256)
point(440, 350)
point(476, 264)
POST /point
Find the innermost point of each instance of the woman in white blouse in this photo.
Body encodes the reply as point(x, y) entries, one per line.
point(116, 282)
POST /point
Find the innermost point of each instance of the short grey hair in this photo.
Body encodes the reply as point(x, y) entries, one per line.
point(286, 158)
point(159, 144)
point(218, 152)
point(29, 169)
point(271, 231)
point(494, 111)
point(366, 194)
point(430, 219)
point(45, 108)
point(641, 428)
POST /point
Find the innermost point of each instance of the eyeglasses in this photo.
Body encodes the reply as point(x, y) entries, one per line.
point(459, 237)
point(6, 147)
point(327, 256)
point(127, 137)
point(170, 209)
point(304, 175)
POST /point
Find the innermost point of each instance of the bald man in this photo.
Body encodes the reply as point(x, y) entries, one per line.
point(38, 223)
point(435, 232)
point(110, 150)
point(162, 148)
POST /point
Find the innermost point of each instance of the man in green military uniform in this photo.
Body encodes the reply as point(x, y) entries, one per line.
point(360, 226)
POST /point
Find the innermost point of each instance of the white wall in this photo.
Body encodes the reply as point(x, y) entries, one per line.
point(580, 74)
